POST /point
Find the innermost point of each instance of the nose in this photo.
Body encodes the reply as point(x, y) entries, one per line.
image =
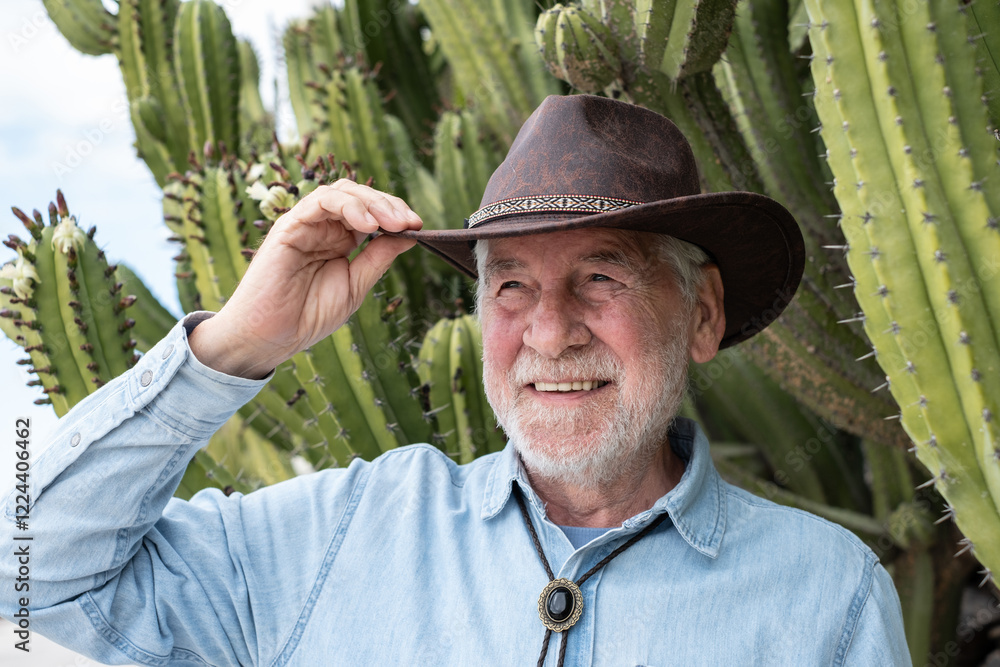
point(555, 324)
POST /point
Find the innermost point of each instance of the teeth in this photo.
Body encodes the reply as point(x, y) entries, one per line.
point(586, 385)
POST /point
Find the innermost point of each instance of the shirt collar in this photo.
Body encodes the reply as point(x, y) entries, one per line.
point(697, 505)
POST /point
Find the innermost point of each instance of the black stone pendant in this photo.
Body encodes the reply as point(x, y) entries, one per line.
point(560, 605)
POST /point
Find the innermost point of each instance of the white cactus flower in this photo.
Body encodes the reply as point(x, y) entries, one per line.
point(67, 235)
point(21, 272)
point(256, 172)
point(257, 191)
point(277, 197)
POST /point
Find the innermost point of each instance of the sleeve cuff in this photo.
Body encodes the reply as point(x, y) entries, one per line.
point(194, 397)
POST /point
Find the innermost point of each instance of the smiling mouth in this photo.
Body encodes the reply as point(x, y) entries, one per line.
point(585, 385)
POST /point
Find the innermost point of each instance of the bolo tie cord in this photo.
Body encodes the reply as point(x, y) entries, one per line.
point(579, 582)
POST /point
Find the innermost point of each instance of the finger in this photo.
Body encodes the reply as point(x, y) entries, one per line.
point(329, 203)
point(373, 261)
point(403, 208)
point(391, 212)
point(358, 209)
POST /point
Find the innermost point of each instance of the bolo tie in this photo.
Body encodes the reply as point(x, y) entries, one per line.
point(561, 603)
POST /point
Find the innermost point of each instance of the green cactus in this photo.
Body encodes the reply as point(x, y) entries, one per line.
point(674, 38)
point(577, 48)
point(380, 336)
point(301, 60)
point(256, 123)
point(490, 73)
point(64, 305)
point(731, 390)
point(388, 35)
point(983, 18)
point(86, 24)
point(207, 63)
point(807, 346)
point(917, 220)
point(347, 118)
point(451, 368)
point(152, 320)
point(698, 35)
point(462, 166)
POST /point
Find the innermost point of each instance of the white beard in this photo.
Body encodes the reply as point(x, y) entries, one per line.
point(612, 436)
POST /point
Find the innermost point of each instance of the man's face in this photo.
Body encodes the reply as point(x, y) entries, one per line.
point(586, 342)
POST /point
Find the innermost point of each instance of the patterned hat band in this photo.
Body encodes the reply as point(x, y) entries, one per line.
point(548, 204)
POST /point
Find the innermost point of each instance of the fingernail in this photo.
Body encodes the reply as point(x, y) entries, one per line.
point(412, 215)
point(371, 219)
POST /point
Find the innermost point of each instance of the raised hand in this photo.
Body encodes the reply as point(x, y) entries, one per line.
point(300, 286)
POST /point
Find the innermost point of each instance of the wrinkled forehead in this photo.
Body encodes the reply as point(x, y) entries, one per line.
point(628, 248)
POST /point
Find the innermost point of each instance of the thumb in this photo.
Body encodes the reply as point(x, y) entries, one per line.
point(373, 261)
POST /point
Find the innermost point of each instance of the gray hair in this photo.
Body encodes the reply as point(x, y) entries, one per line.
point(684, 259)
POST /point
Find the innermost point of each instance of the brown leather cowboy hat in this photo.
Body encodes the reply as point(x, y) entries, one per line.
point(583, 161)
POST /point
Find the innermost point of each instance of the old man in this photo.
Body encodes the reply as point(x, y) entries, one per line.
point(602, 534)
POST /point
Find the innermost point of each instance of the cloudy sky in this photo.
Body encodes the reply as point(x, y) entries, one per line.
point(64, 124)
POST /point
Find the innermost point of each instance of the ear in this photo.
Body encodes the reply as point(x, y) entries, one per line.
point(708, 321)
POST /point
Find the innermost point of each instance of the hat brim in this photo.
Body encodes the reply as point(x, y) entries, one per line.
point(755, 242)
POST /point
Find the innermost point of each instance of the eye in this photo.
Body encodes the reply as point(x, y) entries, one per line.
point(510, 284)
point(599, 278)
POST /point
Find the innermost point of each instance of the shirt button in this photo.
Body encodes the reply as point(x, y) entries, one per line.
point(146, 378)
point(75, 440)
point(167, 352)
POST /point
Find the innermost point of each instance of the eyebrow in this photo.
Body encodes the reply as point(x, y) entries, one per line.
point(616, 257)
point(499, 265)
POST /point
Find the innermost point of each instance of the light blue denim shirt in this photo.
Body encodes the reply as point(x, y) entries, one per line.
point(409, 559)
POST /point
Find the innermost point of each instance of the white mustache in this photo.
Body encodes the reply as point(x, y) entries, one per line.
point(578, 365)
